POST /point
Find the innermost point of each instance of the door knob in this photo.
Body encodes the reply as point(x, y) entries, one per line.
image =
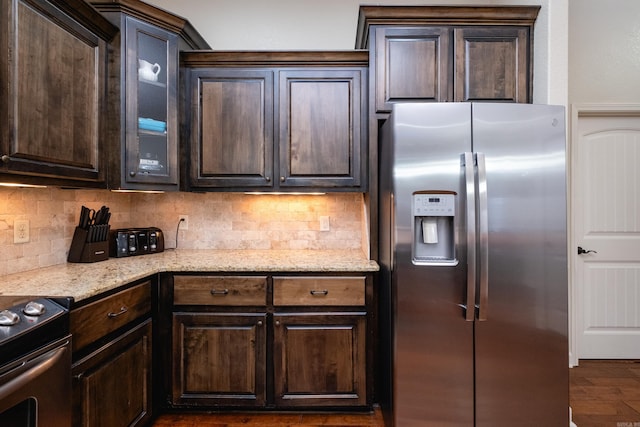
point(587, 251)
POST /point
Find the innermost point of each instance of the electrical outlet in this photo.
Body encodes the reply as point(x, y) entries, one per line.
point(184, 222)
point(324, 223)
point(21, 231)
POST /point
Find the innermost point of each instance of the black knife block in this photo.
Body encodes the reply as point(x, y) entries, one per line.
point(83, 251)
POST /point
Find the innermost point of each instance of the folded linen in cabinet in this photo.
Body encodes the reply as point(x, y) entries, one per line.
point(151, 124)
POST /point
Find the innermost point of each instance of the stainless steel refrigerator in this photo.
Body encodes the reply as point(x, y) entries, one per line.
point(473, 255)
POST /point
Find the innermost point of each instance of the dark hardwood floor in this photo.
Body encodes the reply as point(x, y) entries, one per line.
point(373, 419)
point(606, 393)
point(603, 393)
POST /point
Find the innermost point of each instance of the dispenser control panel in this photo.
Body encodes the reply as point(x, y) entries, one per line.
point(433, 204)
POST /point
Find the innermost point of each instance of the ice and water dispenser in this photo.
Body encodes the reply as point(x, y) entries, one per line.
point(433, 228)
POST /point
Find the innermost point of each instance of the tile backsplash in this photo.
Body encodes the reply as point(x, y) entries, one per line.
point(216, 221)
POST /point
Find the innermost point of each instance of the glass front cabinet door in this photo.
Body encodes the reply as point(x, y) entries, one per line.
point(151, 149)
point(143, 131)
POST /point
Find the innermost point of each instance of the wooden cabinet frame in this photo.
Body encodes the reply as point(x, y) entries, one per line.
point(268, 343)
point(260, 120)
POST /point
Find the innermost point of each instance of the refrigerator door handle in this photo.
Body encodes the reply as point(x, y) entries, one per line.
point(470, 188)
point(483, 237)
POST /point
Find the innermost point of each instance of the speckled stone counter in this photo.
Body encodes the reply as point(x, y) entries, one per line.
point(82, 281)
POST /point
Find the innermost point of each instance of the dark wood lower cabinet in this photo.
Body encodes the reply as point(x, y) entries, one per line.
point(112, 385)
point(268, 341)
point(219, 359)
point(319, 359)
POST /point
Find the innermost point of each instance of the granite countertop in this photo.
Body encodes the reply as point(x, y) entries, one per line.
point(83, 280)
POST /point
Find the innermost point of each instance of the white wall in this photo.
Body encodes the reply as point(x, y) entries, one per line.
point(331, 25)
point(604, 54)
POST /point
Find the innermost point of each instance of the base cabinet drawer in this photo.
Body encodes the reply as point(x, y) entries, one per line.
point(220, 290)
point(318, 291)
point(100, 318)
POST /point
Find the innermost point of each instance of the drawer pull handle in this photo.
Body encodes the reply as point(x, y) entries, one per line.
point(122, 311)
point(321, 293)
point(223, 292)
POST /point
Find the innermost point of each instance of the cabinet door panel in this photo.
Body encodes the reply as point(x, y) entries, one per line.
point(151, 154)
point(113, 387)
point(492, 64)
point(52, 93)
point(233, 128)
point(412, 65)
point(319, 359)
point(219, 359)
point(320, 128)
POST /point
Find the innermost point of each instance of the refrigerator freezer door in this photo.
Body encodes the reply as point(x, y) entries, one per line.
point(433, 343)
point(521, 347)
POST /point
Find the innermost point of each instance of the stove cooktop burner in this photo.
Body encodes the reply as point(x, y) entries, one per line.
point(29, 325)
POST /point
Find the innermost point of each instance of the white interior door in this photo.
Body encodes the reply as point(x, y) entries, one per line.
point(606, 220)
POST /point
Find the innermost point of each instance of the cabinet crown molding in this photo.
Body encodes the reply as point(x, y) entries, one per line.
point(154, 16)
point(441, 15)
point(205, 58)
point(86, 16)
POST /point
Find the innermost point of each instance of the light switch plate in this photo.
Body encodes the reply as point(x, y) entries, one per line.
point(324, 223)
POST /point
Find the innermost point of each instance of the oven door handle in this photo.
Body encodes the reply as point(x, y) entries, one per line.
point(29, 370)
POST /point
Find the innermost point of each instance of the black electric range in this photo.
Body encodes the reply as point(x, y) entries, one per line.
point(28, 323)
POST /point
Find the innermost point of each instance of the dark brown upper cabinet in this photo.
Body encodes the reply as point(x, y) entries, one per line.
point(276, 121)
point(448, 53)
point(492, 64)
point(231, 128)
point(412, 64)
point(53, 60)
point(143, 148)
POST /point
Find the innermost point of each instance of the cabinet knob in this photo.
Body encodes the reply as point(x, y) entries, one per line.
point(5, 158)
point(267, 178)
point(282, 179)
point(132, 173)
point(277, 323)
point(259, 322)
